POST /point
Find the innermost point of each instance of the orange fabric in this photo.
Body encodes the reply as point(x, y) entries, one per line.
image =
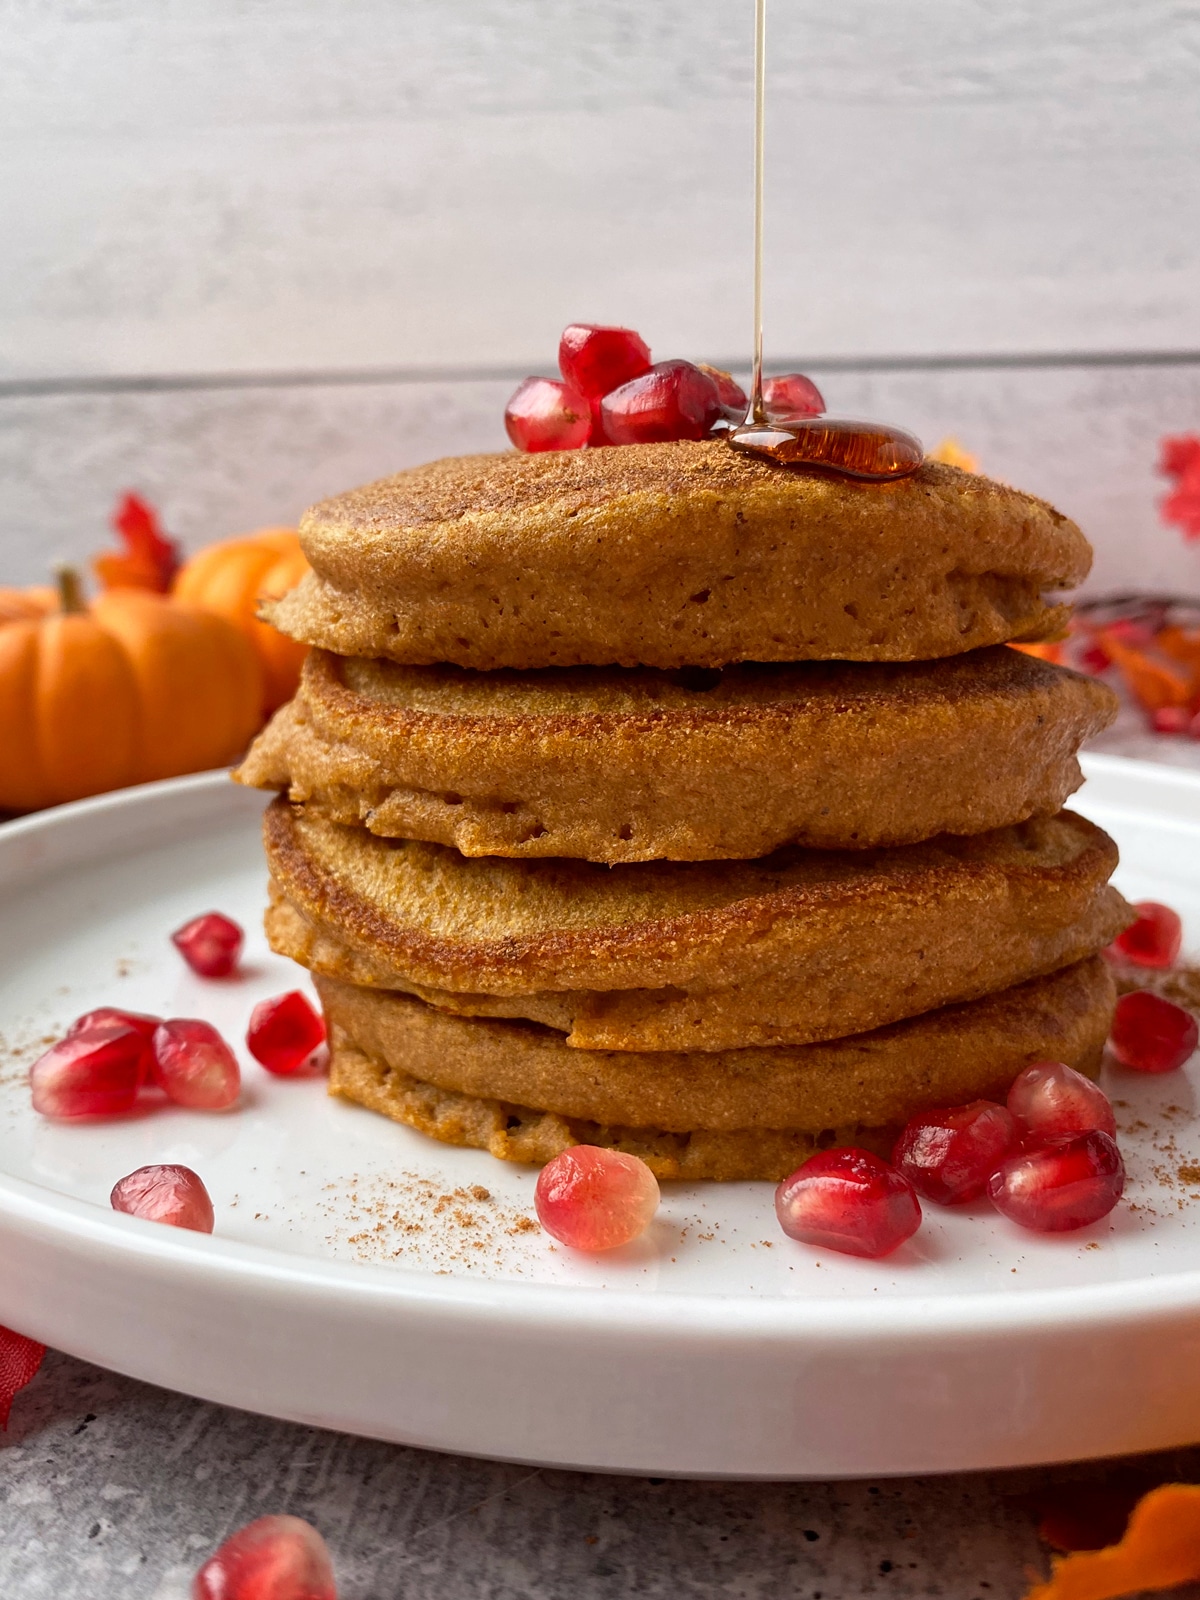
point(1160, 1549)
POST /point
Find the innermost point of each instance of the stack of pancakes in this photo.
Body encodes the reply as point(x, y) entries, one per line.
point(661, 798)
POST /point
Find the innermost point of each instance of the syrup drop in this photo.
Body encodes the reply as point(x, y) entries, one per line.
point(867, 450)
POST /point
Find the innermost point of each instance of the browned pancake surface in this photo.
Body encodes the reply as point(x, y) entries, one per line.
point(878, 1080)
point(613, 764)
point(671, 555)
point(708, 955)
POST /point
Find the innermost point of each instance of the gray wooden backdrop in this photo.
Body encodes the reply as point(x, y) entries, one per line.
point(256, 250)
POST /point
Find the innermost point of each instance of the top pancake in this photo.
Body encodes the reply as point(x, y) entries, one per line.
point(670, 555)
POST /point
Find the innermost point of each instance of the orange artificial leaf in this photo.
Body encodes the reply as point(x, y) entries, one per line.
point(149, 559)
point(1051, 650)
point(1160, 1549)
point(1182, 645)
point(1155, 684)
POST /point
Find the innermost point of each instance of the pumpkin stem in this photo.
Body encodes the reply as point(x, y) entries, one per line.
point(70, 590)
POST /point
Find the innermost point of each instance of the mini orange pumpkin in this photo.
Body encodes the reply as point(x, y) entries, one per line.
point(134, 688)
point(232, 578)
point(18, 605)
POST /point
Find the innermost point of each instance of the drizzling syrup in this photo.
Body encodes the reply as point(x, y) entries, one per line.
point(868, 450)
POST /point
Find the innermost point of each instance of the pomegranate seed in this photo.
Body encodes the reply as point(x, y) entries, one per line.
point(948, 1156)
point(732, 395)
point(1153, 940)
point(144, 1024)
point(546, 415)
point(275, 1558)
point(596, 360)
point(1062, 1185)
point(1150, 1034)
point(848, 1200)
point(141, 1020)
point(594, 1199)
point(1095, 659)
point(792, 395)
point(1052, 1101)
point(284, 1032)
point(195, 1065)
point(674, 400)
point(165, 1194)
point(210, 944)
point(92, 1074)
point(1171, 719)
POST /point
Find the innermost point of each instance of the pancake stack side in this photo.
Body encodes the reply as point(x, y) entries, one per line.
point(660, 798)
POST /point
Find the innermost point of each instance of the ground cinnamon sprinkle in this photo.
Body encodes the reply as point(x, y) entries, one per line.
point(1180, 984)
point(414, 1218)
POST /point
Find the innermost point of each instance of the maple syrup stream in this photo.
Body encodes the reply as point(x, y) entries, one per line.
point(855, 449)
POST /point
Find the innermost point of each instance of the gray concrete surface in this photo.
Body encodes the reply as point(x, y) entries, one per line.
point(112, 1490)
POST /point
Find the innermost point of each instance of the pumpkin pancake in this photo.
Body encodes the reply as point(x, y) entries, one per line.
point(516, 1090)
point(671, 555)
point(800, 946)
point(615, 764)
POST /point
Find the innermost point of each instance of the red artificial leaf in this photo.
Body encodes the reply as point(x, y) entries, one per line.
point(149, 559)
point(1179, 458)
point(19, 1360)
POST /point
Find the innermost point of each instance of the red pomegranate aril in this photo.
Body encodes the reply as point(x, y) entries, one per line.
point(595, 1199)
point(210, 944)
point(596, 360)
point(1154, 940)
point(674, 400)
point(1150, 1034)
point(1050, 1100)
point(792, 395)
point(284, 1031)
point(275, 1558)
point(948, 1156)
point(139, 1020)
point(175, 1195)
point(1062, 1185)
point(733, 397)
point(90, 1074)
point(102, 1015)
point(848, 1200)
point(195, 1065)
point(544, 414)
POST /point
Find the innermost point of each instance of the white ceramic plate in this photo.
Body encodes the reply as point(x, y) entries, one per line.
point(364, 1278)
